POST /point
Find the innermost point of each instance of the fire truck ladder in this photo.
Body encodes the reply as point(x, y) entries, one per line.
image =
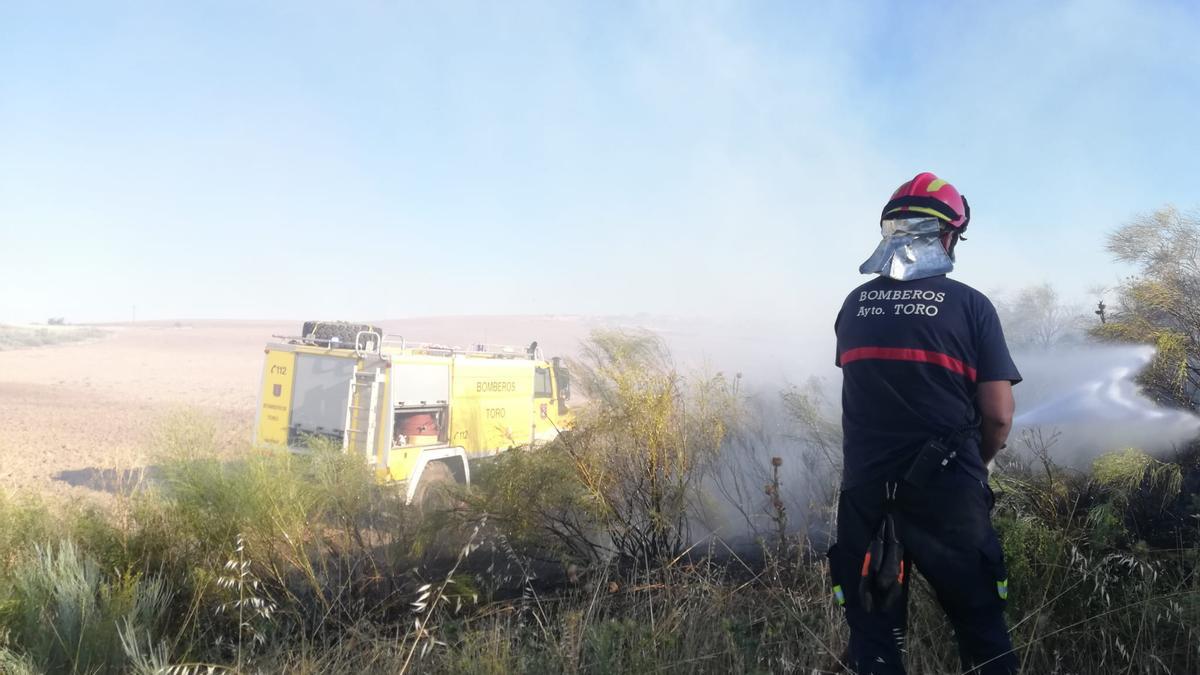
point(361, 414)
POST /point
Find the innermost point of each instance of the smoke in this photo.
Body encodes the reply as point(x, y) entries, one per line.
point(1084, 396)
point(1089, 396)
point(784, 371)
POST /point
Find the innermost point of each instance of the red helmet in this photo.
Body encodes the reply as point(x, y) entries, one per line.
point(927, 194)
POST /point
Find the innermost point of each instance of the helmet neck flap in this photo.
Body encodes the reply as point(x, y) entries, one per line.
point(912, 248)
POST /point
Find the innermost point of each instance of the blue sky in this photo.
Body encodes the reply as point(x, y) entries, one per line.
point(354, 160)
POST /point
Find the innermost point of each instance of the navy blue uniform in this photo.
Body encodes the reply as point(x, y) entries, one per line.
point(912, 354)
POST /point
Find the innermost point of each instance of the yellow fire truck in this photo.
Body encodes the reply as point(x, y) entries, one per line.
point(418, 413)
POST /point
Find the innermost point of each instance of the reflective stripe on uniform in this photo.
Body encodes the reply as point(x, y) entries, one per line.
point(914, 355)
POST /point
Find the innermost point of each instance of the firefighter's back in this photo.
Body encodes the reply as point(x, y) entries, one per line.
point(911, 353)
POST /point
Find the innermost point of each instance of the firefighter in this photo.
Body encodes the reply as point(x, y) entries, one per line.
point(926, 405)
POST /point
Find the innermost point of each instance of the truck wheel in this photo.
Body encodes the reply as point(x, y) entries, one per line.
point(433, 492)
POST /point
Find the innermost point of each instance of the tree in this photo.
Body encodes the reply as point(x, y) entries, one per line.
point(1035, 317)
point(1160, 305)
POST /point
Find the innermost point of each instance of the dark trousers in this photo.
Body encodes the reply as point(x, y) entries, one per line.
point(946, 531)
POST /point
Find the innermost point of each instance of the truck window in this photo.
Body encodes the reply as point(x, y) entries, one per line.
point(320, 394)
point(541, 383)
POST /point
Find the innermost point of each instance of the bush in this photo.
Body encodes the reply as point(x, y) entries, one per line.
point(23, 522)
point(555, 519)
point(645, 442)
point(1084, 590)
point(627, 479)
point(67, 615)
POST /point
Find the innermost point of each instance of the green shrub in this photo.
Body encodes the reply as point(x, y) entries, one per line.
point(1082, 591)
point(23, 521)
point(536, 498)
point(1131, 471)
point(65, 614)
point(645, 443)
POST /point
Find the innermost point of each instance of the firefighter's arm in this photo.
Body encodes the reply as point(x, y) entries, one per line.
point(996, 408)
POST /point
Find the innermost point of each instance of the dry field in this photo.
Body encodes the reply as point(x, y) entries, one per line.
point(70, 412)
